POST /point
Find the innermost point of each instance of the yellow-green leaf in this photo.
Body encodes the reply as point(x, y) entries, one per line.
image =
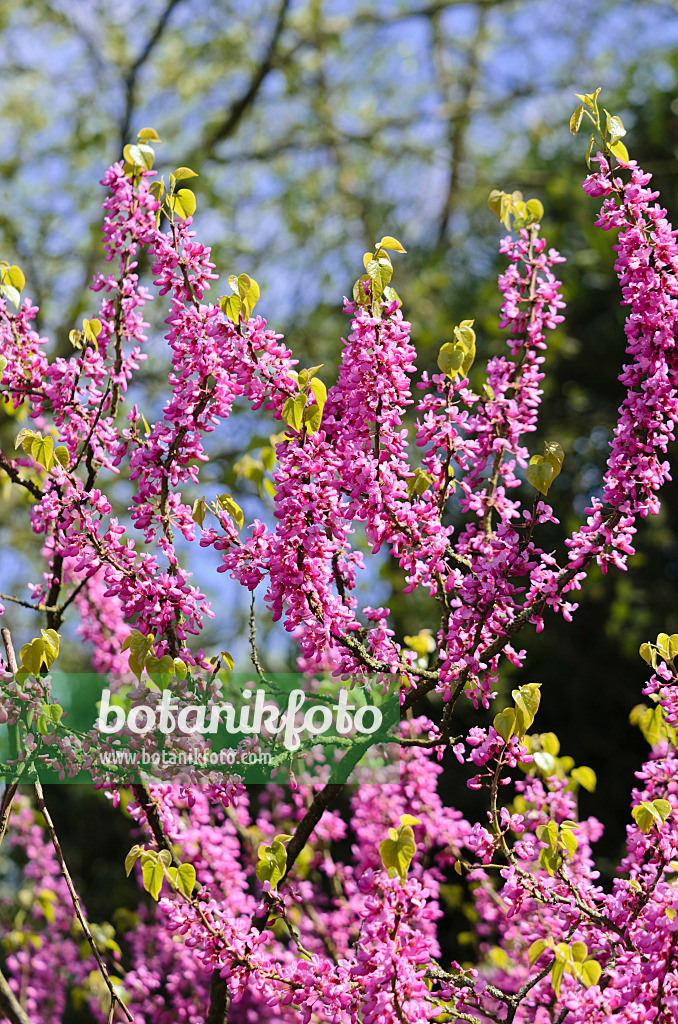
point(42, 449)
point(184, 172)
point(183, 203)
point(139, 647)
point(585, 776)
point(199, 511)
point(149, 135)
point(576, 119)
point(186, 879)
point(397, 851)
point(293, 411)
point(227, 504)
point(140, 155)
point(389, 242)
point(14, 277)
point(540, 474)
point(619, 150)
point(61, 455)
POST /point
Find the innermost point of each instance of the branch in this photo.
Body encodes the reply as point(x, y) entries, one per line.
point(75, 899)
point(10, 789)
point(14, 476)
point(10, 1007)
point(241, 105)
point(133, 73)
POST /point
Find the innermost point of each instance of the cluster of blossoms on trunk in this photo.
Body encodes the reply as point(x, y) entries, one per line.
point(347, 929)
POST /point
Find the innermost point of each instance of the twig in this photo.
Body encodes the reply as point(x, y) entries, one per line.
point(10, 1007)
point(75, 899)
point(10, 789)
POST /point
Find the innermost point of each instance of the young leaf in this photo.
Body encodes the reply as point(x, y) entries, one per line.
point(149, 135)
point(183, 203)
point(619, 150)
point(184, 172)
point(585, 776)
point(389, 242)
point(540, 474)
point(139, 647)
point(61, 455)
point(576, 119)
point(227, 504)
point(132, 857)
point(293, 411)
point(186, 879)
point(536, 950)
point(199, 511)
point(153, 874)
point(397, 851)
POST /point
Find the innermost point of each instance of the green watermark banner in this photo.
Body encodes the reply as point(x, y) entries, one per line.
point(68, 727)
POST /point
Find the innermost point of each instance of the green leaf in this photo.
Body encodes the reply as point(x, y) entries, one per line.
point(42, 449)
point(673, 646)
point(132, 857)
point(647, 654)
point(576, 119)
point(527, 700)
point(320, 391)
point(535, 211)
point(389, 242)
point(579, 951)
point(50, 639)
point(248, 290)
point(451, 359)
point(397, 851)
point(186, 879)
point(590, 972)
point(231, 306)
point(184, 172)
point(199, 511)
point(589, 150)
point(293, 411)
point(227, 660)
point(545, 762)
point(25, 439)
point(156, 188)
point(226, 503)
point(381, 271)
point(663, 645)
point(505, 723)
point(183, 203)
point(536, 950)
point(180, 668)
point(540, 474)
point(61, 455)
point(586, 777)
point(272, 861)
point(149, 135)
point(557, 975)
point(14, 278)
point(3, 364)
point(619, 150)
point(419, 483)
point(549, 834)
point(140, 155)
point(360, 295)
point(650, 813)
point(312, 418)
point(614, 127)
point(160, 670)
point(10, 293)
point(569, 841)
point(139, 647)
point(153, 874)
